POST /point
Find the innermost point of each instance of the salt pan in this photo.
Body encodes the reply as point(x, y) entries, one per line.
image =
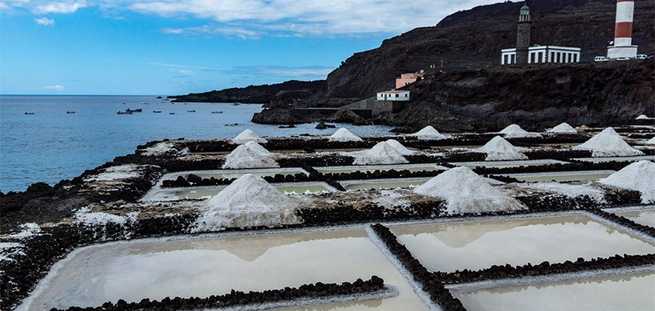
point(651, 141)
point(246, 136)
point(429, 133)
point(120, 172)
point(249, 155)
point(642, 117)
point(344, 135)
point(466, 192)
point(248, 202)
point(608, 143)
point(563, 128)
point(164, 148)
point(499, 149)
point(638, 176)
point(399, 147)
point(382, 153)
point(568, 190)
point(515, 131)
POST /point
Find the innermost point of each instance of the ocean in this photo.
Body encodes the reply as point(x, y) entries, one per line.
point(40, 141)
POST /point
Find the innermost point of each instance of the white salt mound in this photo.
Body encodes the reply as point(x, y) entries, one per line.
point(467, 192)
point(651, 141)
point(563, 128)
point(429, 133)
point(608, 143)
point(344, 135)
point(568, 190)
point(246, 136)
point(164, 148)
point(642, 117)
point(399, 147)
point(382, 153)
point(639, 176)
point(249, 155)
point(499, 149)
point(248, 202)
point(515, 131)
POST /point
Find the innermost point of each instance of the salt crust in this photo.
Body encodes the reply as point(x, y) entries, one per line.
point(249, 155)
point(246, 136)
point(639, 176)
point(344, 135)
point(569, 190)
point(563, 128)
point(499, 149)
point(608, 143)
point(382, 153)
point(399, 147)
point(85, 216)
point(248, 202)
point(515, 131)
point(642, 117)
point(429, 133)
point(651, 141)
point(116, 173)
point(164, 148)
point(466, 192)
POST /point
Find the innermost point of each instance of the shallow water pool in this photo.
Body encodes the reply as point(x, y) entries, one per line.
point(480, 244)
point(625, 292)
point(642, 217)
point(208, 265)
point(572, 176)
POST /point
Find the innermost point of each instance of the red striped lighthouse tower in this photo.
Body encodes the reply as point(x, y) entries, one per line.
point(623, 47)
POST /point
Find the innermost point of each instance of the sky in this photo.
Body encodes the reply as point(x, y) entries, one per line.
point(164, 47)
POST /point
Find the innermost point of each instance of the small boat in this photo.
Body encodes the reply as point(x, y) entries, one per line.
point(126, 112)
point(133, 110)
point(29, 113)
point(190, 111)
point(217, 112)
point(171, 113)
point(71, 112)
point(156, 111)
point(236, 104)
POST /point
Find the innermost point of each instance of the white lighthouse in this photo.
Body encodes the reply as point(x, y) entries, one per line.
point(623, 48)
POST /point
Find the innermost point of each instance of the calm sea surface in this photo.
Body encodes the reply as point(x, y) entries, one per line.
point(51, 145)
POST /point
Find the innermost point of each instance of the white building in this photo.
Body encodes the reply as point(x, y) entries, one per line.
point(394, 95)
point(547, 54)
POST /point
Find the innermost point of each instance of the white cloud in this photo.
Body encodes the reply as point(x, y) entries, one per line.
point(228, 31)
point(60, 7)
point(54, 87)
point(44, 21)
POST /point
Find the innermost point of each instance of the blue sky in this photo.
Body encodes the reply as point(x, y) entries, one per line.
point(180, 46)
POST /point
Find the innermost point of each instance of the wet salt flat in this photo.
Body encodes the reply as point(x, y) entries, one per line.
point(480, 244)
point(205, 266)
point(372, 168)
point(626, 292)
point(572, 176)
point(507, 164)
point(617, 159)
point(158, 194)
point(388, 183)
point(643, 217)
point(261, 172)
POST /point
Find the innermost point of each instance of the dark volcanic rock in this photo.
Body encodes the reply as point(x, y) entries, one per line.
point(256, 94)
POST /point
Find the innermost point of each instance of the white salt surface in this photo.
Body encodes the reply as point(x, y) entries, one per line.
point(608, 143)
point(164, 148)
point(569, 190)
point(246, 136)
point(642, 117)
point(429, 133)
point(466, 192)
point(249, 155)
point(499, 149)
point(625, 292)
point(563, 128)
point(638, 176)
point(643, 217)
point(567, 176)
point(248, 202)
point(399, 147)
point(26, 230)
point(116, 173)
point(386, 183)
point(503, 164)
point(515, 131)
point(84, 216)
point(344, 135)
point(651, 141)
point(617, 159)
point(207, 265)
point(7, 249)
point(480, 244)
point(381, 153)
point(414, 167)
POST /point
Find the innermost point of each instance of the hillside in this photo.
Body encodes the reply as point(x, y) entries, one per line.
point(255, 94)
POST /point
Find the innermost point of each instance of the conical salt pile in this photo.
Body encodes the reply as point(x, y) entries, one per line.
point(563, 128)
point(248, 202)
point(249, 155)
point(515, 131)
point(344, 135)
point(382, 153)
point(429, 133)
point(499, 149)
point(608, 143)
point(638, 176)
point(399, 147)
point(642, 117)
point(246, 136)
point(467, 192)
point(651, 141)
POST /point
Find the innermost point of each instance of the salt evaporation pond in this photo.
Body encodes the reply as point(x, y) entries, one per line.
point(471, 244)
point(387, 183)
point(210, 265)
point(430, 167)
point(625, 292)
point(616, 159)
point(508, 164)
point(643, 217)
point(570, 176)
point(158, 194)
point(260, 172)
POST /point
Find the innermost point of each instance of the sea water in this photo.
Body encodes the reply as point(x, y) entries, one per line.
point(51, 144)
